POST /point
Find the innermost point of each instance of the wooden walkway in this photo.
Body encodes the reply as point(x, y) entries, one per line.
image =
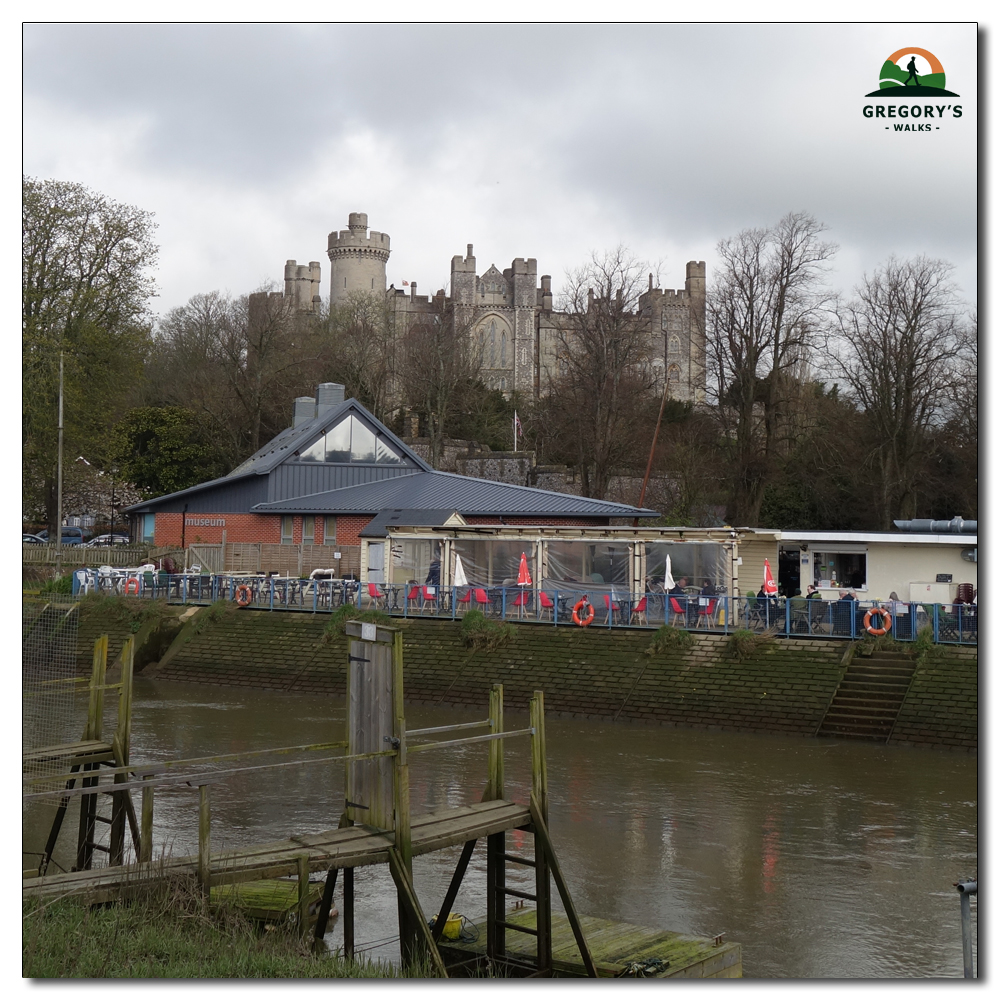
point(350, 847)
point(619, 950)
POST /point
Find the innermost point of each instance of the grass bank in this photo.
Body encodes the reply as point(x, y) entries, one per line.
point(169, 932)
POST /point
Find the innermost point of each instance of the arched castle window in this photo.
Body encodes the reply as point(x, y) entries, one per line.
point(503, 350)
point(493, 344)
point(673, 374)
point(674, 345)
point(503, 385)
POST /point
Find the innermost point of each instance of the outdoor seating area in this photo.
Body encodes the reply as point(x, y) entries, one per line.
point(612, 608)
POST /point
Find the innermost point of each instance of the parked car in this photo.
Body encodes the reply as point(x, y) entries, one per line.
point(105, 540)
point(32, 540)
point(70, 536)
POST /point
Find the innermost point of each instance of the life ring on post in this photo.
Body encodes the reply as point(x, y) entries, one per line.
point(886, 619)
point(132, 585)
point(244, 595)
point(583, 620)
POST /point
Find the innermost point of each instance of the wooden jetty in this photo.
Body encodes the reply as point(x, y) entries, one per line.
point(375, 828)
point(619, 950)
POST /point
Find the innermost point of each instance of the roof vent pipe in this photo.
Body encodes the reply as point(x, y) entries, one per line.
point(328, 395)
point(956, 526)
point(305, 410)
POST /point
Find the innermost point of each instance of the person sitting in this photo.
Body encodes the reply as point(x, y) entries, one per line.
point(679, 594)
point(900, 612)
point(812, 592)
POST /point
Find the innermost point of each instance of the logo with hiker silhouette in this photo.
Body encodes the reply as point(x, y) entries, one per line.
point(912, 72)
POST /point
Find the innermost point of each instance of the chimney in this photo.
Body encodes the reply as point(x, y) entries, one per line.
point(328, 395)
point(305, 410)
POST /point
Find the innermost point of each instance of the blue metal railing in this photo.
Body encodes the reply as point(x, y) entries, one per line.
point(794, 618)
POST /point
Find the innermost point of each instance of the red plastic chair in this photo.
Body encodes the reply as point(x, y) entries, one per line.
point(639, 612)
point(705, 612)
point(545, 604)
point(482, 598)
point(376, 596)
point(677, 611)
point(412, 597)
point(429, 595)
point(611, 609)
point(522, 601)
point(468, 597)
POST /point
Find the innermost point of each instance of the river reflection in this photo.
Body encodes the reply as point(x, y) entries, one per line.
point(822, 858)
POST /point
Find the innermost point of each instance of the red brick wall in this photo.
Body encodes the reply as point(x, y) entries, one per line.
point(249, 528)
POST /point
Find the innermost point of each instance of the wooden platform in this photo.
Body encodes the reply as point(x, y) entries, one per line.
point(618, 949)
point(351, 847)
point(81, 752)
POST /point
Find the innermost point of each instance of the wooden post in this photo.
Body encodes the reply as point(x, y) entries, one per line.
point(95, 709)
point(539, 790)
point(121, 742)
point(401, 805)
point(349, 914)
point(453, 887)
point(542, 836)
point(88, 812)
point(302, 863)
point(146, 831)
point(496, 843)
point(204, 833)
point(325, 905)
point(408, 896)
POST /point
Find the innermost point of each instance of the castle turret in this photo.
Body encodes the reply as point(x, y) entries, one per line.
point(357, 259)
point(302, 284)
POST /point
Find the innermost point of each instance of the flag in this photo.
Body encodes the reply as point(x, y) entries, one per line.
point(460, 578)
point(770, 587)
point(518, 430)
point(523, 576)
point(668, 577)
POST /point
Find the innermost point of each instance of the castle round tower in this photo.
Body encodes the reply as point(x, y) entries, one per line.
point(357, 259)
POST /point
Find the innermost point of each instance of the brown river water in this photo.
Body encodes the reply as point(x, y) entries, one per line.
point(824, 859)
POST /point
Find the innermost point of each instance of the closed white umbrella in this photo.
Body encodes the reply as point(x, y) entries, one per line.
point(668, 579)
point(460, 578)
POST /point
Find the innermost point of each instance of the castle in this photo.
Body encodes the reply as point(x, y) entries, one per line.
point(510, 311)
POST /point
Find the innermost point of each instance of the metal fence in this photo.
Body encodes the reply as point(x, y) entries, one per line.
point(796, 617)
point(52, 708)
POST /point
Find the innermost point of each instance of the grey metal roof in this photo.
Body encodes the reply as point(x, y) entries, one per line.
point(434, 490)
point(376, 527)
point(291, 439)
point(281, 447)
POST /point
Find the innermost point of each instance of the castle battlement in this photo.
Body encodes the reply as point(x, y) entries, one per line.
point(357, 258)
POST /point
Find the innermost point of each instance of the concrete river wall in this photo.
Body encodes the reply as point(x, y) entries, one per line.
point(585, 673)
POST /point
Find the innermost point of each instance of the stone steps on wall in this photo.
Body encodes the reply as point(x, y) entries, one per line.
point(869, 697)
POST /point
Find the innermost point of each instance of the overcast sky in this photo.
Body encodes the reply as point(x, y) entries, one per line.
point(250, 143)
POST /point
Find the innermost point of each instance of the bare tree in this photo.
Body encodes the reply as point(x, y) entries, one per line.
point(363, 350)
point(237, 362)
point(439, 359)
point(764, 313)
point(604, 377)
point(901, 352)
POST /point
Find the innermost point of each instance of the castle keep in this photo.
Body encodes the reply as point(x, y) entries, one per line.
point(510, 312)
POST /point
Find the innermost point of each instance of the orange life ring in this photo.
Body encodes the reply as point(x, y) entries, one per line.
point(132, 585)
point(578, 607)
point(886, 617)
point(244, 595)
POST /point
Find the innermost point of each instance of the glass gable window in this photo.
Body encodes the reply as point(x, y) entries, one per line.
point(351, 440)
point(286, 530)
point(148, 528)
